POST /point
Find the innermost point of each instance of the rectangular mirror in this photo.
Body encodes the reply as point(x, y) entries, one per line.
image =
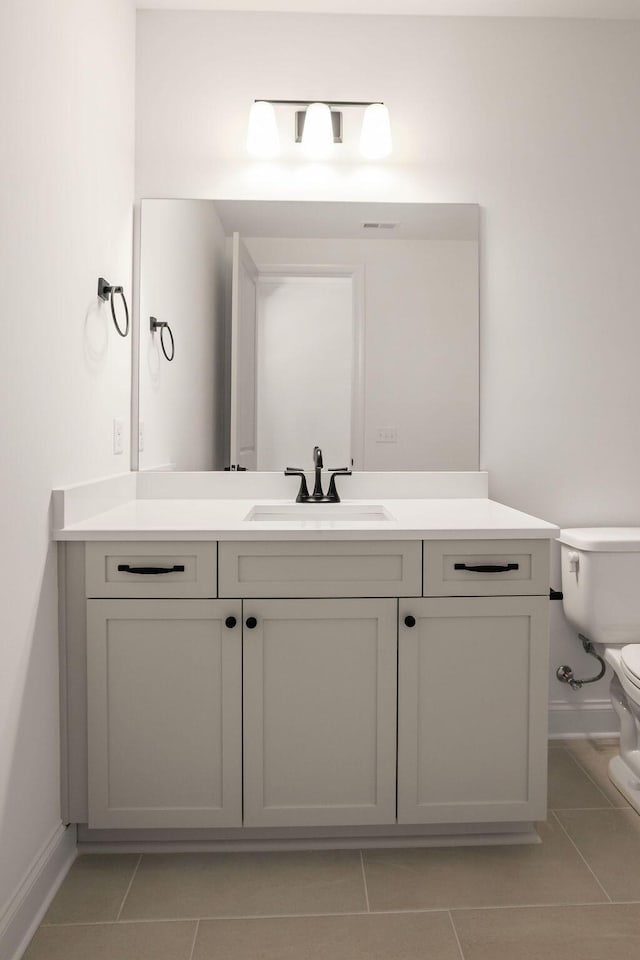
point(351, 326)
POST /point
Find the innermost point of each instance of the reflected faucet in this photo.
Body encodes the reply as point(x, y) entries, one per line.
point(317, 496)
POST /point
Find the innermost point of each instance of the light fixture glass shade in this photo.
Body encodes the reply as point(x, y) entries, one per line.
point(262, 135)
point(375, 138)
point(317, 134)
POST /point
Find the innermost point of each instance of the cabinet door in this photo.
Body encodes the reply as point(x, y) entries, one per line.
point(319, 712)
point(164, 690)
point(472, 710)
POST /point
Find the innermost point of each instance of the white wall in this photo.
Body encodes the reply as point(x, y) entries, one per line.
point(420, 344)
point(537, 121)
point(66, 168)
point(183, 264)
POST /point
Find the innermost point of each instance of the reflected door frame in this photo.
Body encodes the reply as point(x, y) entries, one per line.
point(243, 437)
point(354, 272)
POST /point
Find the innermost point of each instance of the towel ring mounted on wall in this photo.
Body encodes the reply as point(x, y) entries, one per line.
point(106, 292)
point(162, 325)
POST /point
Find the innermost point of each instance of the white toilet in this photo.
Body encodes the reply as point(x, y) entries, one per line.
point(601, 590)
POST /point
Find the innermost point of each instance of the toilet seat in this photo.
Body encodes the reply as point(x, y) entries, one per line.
point(630, 663)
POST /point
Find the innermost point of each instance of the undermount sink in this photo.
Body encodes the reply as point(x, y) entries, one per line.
point(336, 512)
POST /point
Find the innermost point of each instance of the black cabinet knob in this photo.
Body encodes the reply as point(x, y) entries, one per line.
point(230, 622)
point(409, 621)
point(251, 622)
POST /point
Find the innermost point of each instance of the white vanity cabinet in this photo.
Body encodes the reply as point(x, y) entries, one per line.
point(319, 712)
point(386, 686)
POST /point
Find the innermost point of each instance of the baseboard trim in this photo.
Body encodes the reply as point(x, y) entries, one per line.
point(20, 918)
point(497, 835)
point(589, 718)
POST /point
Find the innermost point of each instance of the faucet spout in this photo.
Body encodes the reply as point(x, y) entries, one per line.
point(318, 464)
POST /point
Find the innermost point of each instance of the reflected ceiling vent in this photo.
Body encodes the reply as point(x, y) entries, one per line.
point(381, 224)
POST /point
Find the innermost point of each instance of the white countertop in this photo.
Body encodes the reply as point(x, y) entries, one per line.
point(224, 519)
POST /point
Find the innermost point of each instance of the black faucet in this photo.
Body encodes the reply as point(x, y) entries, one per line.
point(317, 496)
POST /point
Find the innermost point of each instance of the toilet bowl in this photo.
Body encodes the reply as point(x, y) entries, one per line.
point(601, 598)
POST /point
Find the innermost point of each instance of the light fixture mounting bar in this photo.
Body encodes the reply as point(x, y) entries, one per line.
point(329, 103)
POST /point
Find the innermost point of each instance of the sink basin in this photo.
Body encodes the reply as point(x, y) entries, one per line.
point(327, 512)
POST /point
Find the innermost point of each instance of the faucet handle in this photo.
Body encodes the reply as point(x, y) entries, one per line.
point(332, 493)
point(303, 492)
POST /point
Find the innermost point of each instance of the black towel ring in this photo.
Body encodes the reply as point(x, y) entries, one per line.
point(162, 325)
point(106, 292)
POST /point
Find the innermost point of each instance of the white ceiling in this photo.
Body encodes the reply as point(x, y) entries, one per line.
point(599, 9)
point(322, 219)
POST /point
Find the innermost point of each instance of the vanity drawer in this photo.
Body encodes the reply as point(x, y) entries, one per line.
point(391, 568)
point(137, 569)
point(506, 568)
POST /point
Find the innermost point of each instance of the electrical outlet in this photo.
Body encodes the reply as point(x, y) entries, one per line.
point(386, 435)
point(118, 435)
point(140, 436)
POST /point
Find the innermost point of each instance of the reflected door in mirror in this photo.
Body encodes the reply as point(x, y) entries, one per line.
point(304, 369)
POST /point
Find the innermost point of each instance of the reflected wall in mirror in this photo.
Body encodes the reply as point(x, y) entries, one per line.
point(353, 326)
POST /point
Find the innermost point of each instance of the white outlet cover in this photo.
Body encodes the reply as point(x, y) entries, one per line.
point(118, 435)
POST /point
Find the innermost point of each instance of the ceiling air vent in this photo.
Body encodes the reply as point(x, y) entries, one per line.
point(381, 225)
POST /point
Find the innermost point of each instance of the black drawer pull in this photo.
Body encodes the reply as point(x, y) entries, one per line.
point(487, 567)
point(147, 571)
point(410, 621)
point(230, 622)
point(252, 623)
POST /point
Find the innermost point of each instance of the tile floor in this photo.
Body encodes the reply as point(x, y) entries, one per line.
point(575, 896)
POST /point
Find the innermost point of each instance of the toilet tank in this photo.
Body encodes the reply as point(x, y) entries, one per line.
point(601, 582)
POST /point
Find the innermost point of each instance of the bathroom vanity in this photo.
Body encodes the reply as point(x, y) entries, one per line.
point(234, 670)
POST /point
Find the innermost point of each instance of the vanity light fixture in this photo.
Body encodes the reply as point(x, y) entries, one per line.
point(318, 126)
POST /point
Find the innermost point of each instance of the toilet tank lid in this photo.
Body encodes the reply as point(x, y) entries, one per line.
point(603, 539)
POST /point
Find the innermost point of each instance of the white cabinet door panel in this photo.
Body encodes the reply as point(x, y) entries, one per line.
point(320, 712)
point(164, 713)
point(472, 710)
